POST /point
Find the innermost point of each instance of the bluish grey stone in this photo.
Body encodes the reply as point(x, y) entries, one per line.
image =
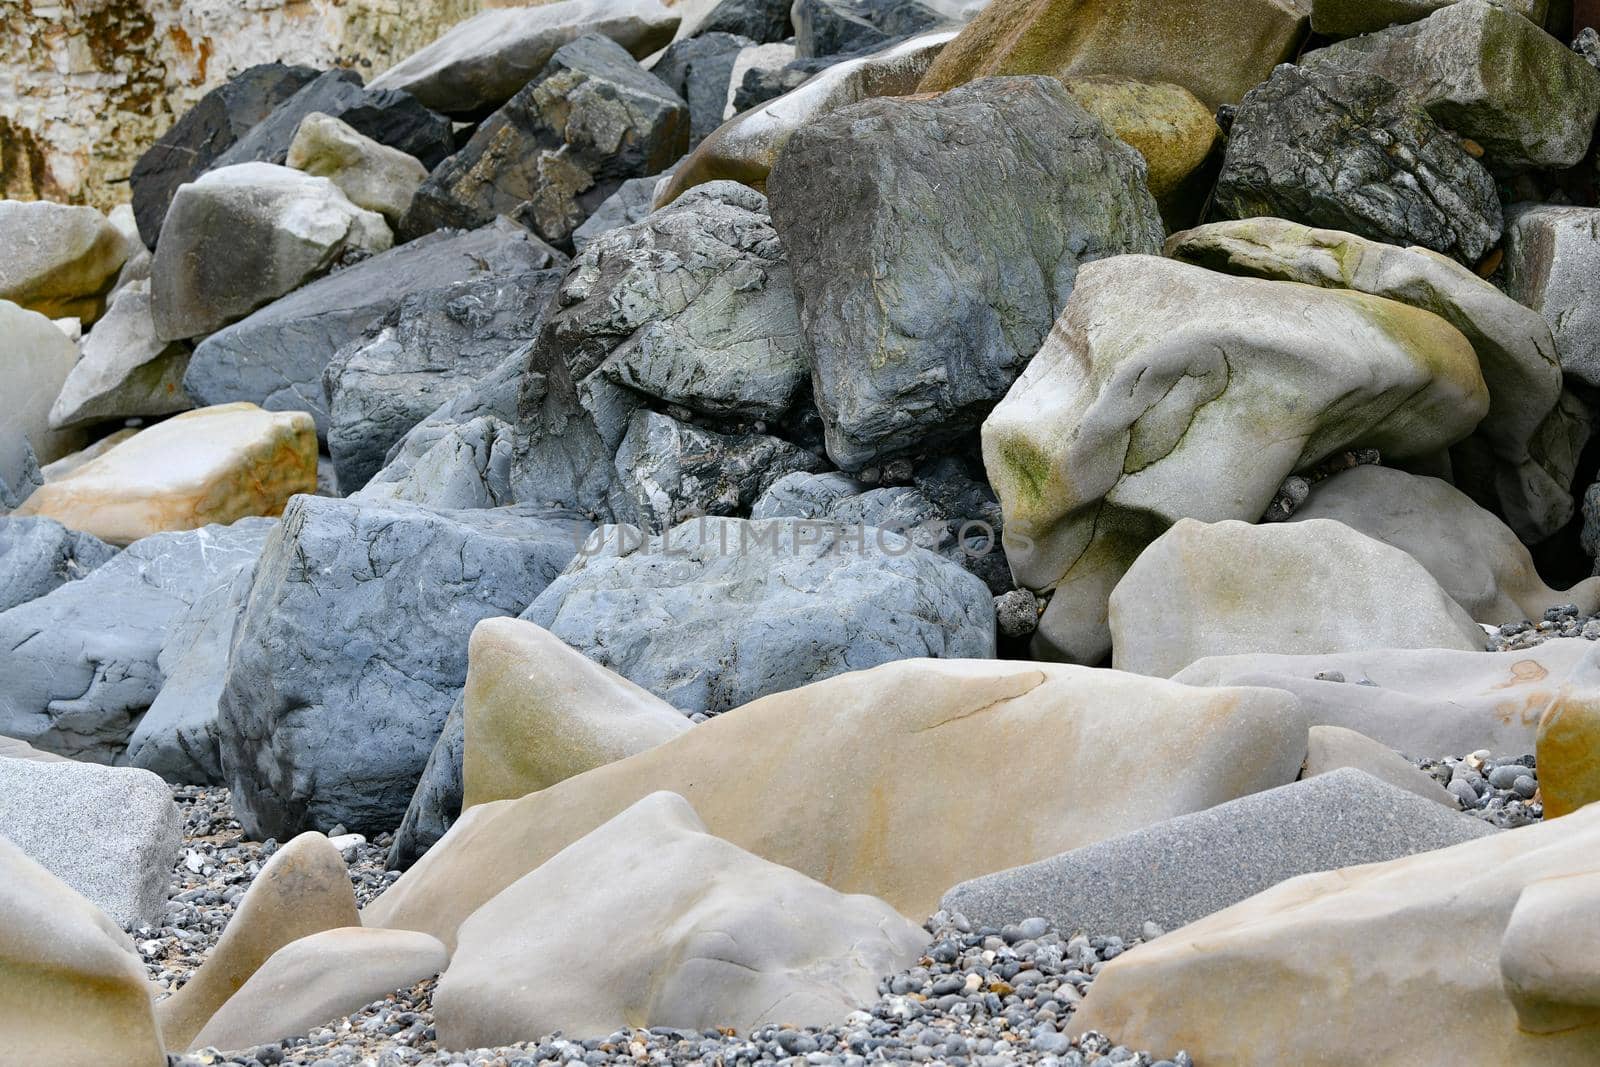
point(39, 554)
point(805, 495)
point(633, 200)
point(79, 666)
point(353, 645)
point(436, 804)
point(812, 600)
point(1189, 867)
point(699, 69)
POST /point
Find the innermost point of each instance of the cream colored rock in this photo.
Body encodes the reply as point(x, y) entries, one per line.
point(74, 989)
point(881, 803)
point(216, 464)
point(73, 460)
point(372, 175)
point(35, 360)
point(1413, 963)
point(538, 712)
point(302, 890)
point(1166, 391)
point(1333, 748)
point(1529, 440)
point(318, 979)
point(745, 148)
point(11, 748)
point(1229, 588)
point(1476, 558)
point(1167, 125)
point(1568, 749)
point(649, 920)
point(1424, 701)
point(124, 370)
point(58, 259)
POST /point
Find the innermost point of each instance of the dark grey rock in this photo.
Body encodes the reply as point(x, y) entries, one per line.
point(353, 645)
point(79, 666)
point(433, 346)
point(763, 21)
point(205, 132)
point(828, 27)
point(668, 471)
point(390, 117)
point(1349, 152)
point(38, 555)
point(436, 804)
point(591, 120)
point(934, 240)
point(699, 69)
point(1189, 867)
point(761, 83)
point(633, 200)
point(813, 601)
point(276, 357)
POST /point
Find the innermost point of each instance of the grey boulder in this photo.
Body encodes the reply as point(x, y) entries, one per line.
point(814, 601)
point(79, 666)
point(38, 555)
point(830, 27)
point(111, 833)
point(918, 316)
point(353, 645)
point(124, 369)
point(633, 200)
point(1552, 255)
point(763, 21)
point(699, 69)
point(1186, 868)
point(592, 119)
point(436, 803)
point(276, 357)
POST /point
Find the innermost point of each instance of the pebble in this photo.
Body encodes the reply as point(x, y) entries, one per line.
point(1561, 621)
point(1503, 792)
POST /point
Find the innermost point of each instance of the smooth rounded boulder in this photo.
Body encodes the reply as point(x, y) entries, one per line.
point(1229, 588)
point(60, 258)
point(882, 803)
point(650, 920)
point(374, 176)
point(36, 361)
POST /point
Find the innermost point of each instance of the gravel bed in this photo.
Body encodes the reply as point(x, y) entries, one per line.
point(1562, 621)
point(1502, 791)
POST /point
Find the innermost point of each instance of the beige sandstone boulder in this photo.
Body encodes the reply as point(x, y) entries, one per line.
point(59, 258)
point(1522, 457)
point(320, 978)
point(374, 176)
point(73, 988)
point(1476, 558)
point(1484, 951)
point(649, 920)
point(124, 371)
point(35, 360)
point(882, 801)
point(1229, 588)
point(1167, 125)
point(1333, 748)
point(1166, 391)
point(538, 712)
point(1219, 52)
point(302, 890)
point(215, 464)
point(1424, 701)
point(73, 460)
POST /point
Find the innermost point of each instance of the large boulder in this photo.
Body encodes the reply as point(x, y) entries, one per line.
point(1186, 868)
point(592, 119)
point(125, 370)
point(728, 939)
point(302, 890)
point(1422, 701)
point(1229, 588)
point(699, 69)
point(59, 259)
point(1368, 965)
point(1217, 52)
point(1352, 18)
point(74, 988)
point(484, 61)
point(832, 27)
point(1351, 152)
point(238, 238)
point(1527, 432)
point(918, 317)
point(35, 362)
point(213, 465)
point(816, 599)
point(536, 712)
point(277, 356)
point(78, 667)
point(1474, 556)
point(374, 176)
point(882, 801)
point(1159, 395)
point(1552, 254)
point(1485, 72)
point(745, 148)
point(353, 645)
point(693, 305)
point(38, 555)
point(436, 803)
point(633, 200)
point(318, 979)
point(429, 348)
point(1331, 749)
